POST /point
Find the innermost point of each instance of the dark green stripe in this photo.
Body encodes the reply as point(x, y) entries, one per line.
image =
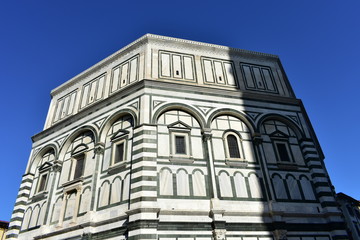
point(143, 199)
point(144, 188)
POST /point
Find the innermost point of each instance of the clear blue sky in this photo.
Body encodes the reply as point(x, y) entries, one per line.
point(45, 43)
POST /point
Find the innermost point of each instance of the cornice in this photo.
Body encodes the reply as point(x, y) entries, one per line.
point(209, 45)
point(155, 84)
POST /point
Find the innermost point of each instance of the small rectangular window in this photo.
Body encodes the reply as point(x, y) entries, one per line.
point(180, 145)
point(119, 153)
point(79, 166)
point(42, 182)
point(283, 152)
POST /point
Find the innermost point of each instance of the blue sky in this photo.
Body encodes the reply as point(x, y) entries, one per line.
point(45, 43)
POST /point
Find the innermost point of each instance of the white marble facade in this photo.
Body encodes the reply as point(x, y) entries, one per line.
point(176, 139)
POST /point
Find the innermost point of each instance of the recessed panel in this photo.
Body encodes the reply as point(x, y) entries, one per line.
point(177, 66)
point(65, 107)
point(219, 72)
point(124, 75)
point(208, 71)
point(133, 70)
point(93, 86)
point(115, 79)
point(188, 68)
point(72, 103)
point(84, 96)
point(268, 79)
point(100, 88)
point(248, 77)
point(58, 109)
point(258, 79)
point(229, 74)
point(165, 65)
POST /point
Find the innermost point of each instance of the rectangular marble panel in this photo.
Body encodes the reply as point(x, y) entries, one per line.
point(124, 75)
point(188, 63)
point(258, 78)
point(65, 107)
point(84, 96)
point(248, 77)
point(72, 103)
point(229, 74)
point(165, 65)
point(219, 72)
point(59, 106)
point(115, 79)
point(209, 77)
point(133, 70)
point(268, 79)
point(177, 66)
point(92, 93)
point(100, 87)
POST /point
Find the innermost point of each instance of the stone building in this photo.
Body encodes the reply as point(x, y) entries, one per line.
point(175, 139)
point(3, 229)
point(351, 211)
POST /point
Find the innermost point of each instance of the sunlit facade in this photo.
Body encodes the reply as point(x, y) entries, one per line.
point(175, 139)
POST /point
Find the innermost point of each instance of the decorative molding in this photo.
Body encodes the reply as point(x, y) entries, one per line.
point(280, 234)
point(204, 109)
point(99, 148)
point(219, 234)
point(206, 135)
point(157, 103)
point(61, 140)
point(211, 47)
point(252, 115)
point(294, 118)
point(99, 123)
point(56, 167)
point(135, 105)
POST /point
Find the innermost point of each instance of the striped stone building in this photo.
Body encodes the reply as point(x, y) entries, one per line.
point(173, 139)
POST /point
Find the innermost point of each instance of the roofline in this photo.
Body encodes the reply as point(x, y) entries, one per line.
point(347, 197)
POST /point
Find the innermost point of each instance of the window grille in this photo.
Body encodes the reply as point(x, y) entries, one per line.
point(180, 147)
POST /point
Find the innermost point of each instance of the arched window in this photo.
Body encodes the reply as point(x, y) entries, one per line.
point(233, 147)
point(43, 171)
point(284, 142)
point(118, 137)
point(78, 158)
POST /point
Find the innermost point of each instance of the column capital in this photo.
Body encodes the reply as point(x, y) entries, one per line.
point(56, 167)
point(257, 139)
point(206, 134)
point(99, 148)
point(219, 234)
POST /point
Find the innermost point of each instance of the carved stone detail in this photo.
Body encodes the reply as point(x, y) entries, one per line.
point(257, 139)
point(99, 148)
point(280, 234)
point(56, 167)
point(206, 135)
point(219, 234)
